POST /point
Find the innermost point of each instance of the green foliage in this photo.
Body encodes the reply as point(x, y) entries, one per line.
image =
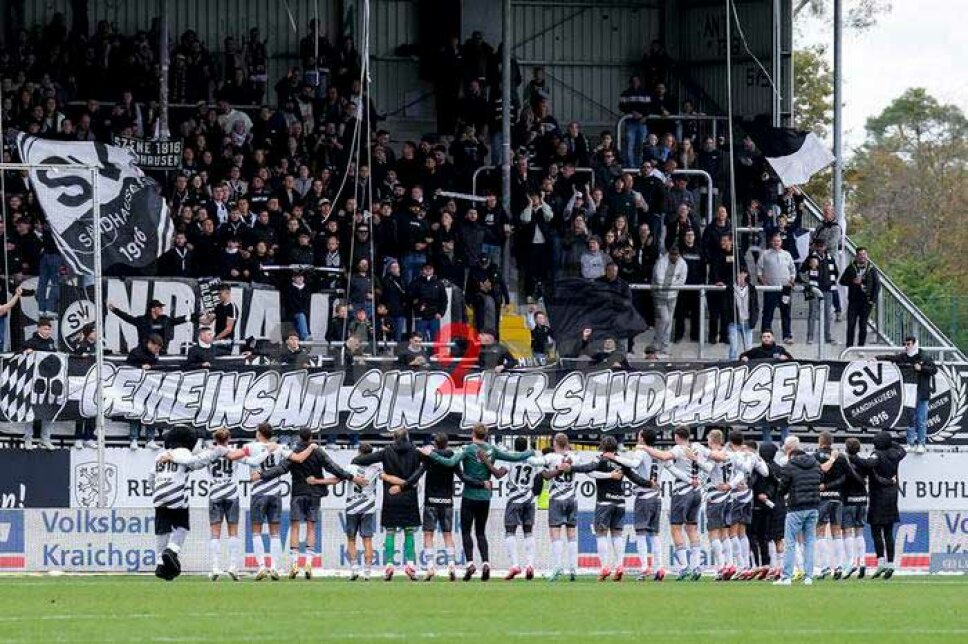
point(813, 106)
point(907, 186)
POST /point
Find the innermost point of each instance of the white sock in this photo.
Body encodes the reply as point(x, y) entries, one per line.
point(259, 549)
point(573, 554)
point(822, 553)
point(849, 550)
point(177, 539)
point(214, 548)
point(839, 552)
point(511, 544)
point(860, 550)
point(642, 545)
point(275, 551)
point(727, 547)
point(293, 556)
point(655, 546)
point(618, 546)
point(774, 560)
point(695, 552)
point(716, 548)
point(681, 557)
point(601, 544)
point(557, 546)
point(451, 557)
point(737, 551)
point(161, 542)
point(235, 549)
point(310, 555)
point(744, 549)
point(529, 549)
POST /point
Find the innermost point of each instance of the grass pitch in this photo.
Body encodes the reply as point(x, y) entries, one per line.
point(193, 609)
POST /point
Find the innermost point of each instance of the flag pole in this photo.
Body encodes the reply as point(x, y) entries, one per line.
point(99, 345)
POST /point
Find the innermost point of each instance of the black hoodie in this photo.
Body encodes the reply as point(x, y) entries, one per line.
point(400, 459)
point(800, 482)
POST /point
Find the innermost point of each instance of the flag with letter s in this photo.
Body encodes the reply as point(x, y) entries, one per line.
point(135, 226)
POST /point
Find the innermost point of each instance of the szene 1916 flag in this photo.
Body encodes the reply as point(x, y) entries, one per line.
point(135, 226)
point(795, 155)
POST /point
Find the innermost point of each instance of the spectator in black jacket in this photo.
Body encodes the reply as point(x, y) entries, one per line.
point(542, 340)
point(881, 469)
point(153, 322)
point(202, 354)
point(768, 350)
point(494, 356)
point(42, 340)
point(308, 462)
point(428, 299)
point(394, 297)
point(177, 261)
point(297, 303)
point(293, 353)
point(925, 370)
point(800, 482)
point(863, 285)
point(84, 427)
point(145, 357)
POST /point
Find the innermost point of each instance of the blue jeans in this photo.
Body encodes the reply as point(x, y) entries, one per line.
point(428, 329)
point(412, 263)
point(772, 299)
point(800, 522)
point(635, 134)
point(918, 434)
point(767, 433)
point(50, 266)
point(740, 339)
point(302, 326)
point(399, 323)
point(497, 148)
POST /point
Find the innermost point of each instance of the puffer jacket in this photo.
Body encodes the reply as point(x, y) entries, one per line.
point(800, 482)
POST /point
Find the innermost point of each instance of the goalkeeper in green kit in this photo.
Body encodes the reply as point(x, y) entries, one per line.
point(476, 501)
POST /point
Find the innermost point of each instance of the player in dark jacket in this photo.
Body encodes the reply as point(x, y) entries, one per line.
point(855, 509)
point(881, 468)
point(304, 504)
point(830, 544)
point(401, 508)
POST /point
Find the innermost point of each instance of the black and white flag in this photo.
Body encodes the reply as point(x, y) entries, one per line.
point(795, 155)
point(134, 221)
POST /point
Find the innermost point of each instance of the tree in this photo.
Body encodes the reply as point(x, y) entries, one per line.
point(907, 190)
point(813, 105)
point(858, 14)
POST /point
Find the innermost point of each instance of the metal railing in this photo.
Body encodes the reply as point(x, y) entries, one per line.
point(671, 117)
point(534, 168)
point(710, 189)
point(882, 348)
point(895, 315)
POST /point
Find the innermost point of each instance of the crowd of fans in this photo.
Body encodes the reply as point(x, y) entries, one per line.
point(278, 184)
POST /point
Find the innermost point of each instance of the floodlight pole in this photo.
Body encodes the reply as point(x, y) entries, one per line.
point(506, 127)
point(839, 120)
point(99, 345)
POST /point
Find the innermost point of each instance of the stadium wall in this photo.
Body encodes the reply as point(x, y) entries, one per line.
point(76, 537)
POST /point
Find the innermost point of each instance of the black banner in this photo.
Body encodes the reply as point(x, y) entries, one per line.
point(35, 479)
point(152, 155)
point(856, 395)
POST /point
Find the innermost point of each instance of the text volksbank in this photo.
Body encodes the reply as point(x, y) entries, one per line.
point(97, 540)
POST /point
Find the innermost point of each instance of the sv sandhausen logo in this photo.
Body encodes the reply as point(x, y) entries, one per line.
point(85, 485)
point(871, 394)
point(948, 404)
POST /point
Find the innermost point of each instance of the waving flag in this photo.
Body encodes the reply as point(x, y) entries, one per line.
point(135, 226)
point(795, 155)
